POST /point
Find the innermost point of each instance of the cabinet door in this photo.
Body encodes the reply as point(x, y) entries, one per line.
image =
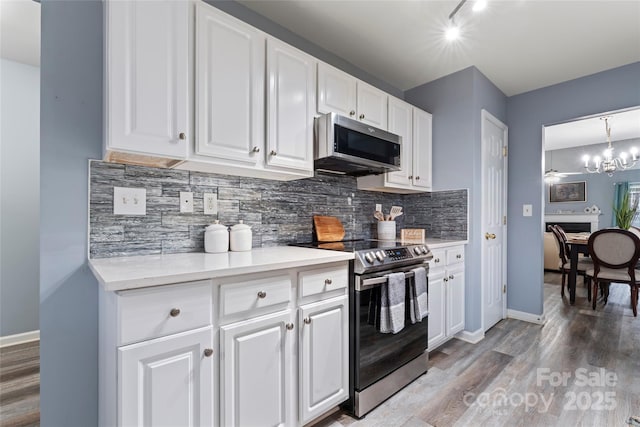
point(336, 91)
point(256, 370)
point(324, 357)
point(229, 87)
point(455, 301)
point(437, 308)
point(147, 90)
point(372, 105)
point(291, 107)
point(167, 381)
point(422, 149)
point(401, 123)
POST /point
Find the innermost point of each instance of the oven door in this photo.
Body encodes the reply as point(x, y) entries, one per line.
point(378, 354)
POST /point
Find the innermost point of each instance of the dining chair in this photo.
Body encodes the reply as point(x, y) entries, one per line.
point(564, 265)
point(615, 253)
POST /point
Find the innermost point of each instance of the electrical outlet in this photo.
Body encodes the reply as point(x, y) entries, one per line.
point(210, 203)
point(186, 202)
point(129, 201)
point(378, 207)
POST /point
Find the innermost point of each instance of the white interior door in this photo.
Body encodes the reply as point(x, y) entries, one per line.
point(494, 219)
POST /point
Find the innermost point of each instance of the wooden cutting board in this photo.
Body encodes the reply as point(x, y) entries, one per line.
point(328, 228)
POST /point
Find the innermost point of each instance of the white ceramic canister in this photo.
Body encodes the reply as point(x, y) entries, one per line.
point(216, 238)
point(387, 230)
point(240, 237)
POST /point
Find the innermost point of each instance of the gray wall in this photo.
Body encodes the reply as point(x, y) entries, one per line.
point(570, 159)
point(71, 126)
point(527, 114)
point(456, 102)
point(20, 197)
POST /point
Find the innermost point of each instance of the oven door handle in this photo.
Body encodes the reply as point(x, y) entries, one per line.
point(376, 281)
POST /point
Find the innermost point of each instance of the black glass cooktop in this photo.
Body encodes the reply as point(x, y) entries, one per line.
point(351, 245)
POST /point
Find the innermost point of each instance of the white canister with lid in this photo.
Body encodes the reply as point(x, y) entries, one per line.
point(240, 237)
point(216, 238)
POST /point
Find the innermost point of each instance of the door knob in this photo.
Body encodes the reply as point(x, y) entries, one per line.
point(489, 236)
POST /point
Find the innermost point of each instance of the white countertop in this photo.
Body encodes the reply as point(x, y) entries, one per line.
point(121, 273)
point(433, 243)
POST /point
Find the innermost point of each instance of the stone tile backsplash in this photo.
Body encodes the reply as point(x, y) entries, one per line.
point(278, 212)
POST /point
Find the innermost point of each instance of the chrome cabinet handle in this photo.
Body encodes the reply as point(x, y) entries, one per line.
point(273, 152)
point(256, 149)
point(182, 136)
point(289, 326)
point(262, 294)
point(361, 116)
point(328, 281)
point(175, 312)
point(208, 352)
point(307, 320)
point(352, 113)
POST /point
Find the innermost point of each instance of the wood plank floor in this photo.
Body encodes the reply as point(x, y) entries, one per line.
point(514, 377)
point(20, 385)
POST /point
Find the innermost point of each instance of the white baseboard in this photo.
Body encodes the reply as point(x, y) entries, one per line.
point(538, 319)
point(471, 337)
point(19, 338)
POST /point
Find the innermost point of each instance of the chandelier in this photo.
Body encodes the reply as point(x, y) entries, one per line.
point(608, 163)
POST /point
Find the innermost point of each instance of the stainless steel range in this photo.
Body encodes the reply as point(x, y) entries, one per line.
point(381, 363)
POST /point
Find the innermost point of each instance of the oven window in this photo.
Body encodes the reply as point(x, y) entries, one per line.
point(379, 354)
point(364, 146)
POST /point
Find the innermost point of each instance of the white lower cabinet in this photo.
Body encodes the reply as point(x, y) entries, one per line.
point(323, 359)
point(167, 381)
point(256, 371)
point(446, 295)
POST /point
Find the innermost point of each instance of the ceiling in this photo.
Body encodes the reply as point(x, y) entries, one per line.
point(624, 125)
point(20, 31)
point(520, 45)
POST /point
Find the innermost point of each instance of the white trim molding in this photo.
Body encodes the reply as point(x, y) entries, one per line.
point(471, 337)
point(16, 339)
point(538, 319)
point(592, 219)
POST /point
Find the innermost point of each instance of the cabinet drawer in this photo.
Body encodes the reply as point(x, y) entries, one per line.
point(163, 310)
point(239, 297)
point(321, 280)
point(455, 255)
point(439, 258)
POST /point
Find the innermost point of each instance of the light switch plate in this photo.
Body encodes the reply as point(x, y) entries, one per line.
point(210, 201)
point(186, 202)
point(527, 210)
point(129, 201)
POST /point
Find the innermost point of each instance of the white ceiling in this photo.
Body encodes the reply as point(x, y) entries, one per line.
point(520, 45)
point(624, 125)
point(20, 31)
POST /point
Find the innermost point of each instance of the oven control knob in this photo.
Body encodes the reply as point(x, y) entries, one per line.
point(379, 256)
point(424, 250)
point(368, 257)
point(416, 250)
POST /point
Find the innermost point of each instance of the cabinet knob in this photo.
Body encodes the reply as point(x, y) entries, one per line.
point(445, 279)
point(208, 352)
point(417, 178)
point(262, 294)
point(175, 312)
point(273, 152)
point(451, 276)
point(458, 256)
point(182, 136)
point(352, 113)
point(289, 326)
point(410, 176)
point(328, 281)
point(436, 260)
point(361, 116)
point(307, 320)
point(256, 149)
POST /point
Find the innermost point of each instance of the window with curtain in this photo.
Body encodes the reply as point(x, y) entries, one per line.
point(634, 196)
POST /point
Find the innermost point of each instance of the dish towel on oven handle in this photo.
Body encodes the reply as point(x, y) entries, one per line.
point(418, 299)
point(392, 304)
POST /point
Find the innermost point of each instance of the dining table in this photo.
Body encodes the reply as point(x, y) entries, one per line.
point(579, 244)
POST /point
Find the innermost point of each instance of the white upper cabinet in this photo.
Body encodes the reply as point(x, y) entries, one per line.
point(372, 105)
point(336, 91)
point(414, 126)
point(290, 107)
point(229, 92)
point(147, 77)
point(343, 94)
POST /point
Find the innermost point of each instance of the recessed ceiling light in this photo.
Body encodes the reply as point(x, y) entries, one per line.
point(479, 5)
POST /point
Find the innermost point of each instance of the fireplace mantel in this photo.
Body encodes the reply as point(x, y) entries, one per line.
point(574, 217)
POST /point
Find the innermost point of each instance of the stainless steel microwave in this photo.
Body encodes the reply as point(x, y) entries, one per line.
point(349, 147)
